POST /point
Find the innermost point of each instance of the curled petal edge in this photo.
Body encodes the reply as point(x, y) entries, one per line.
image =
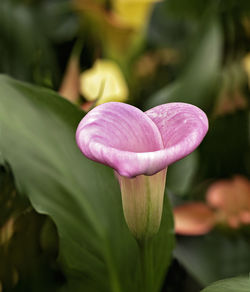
point(131, 164)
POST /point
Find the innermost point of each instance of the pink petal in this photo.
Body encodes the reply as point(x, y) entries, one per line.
point(135, 143)
point(182, 127)
point(233, 221)
point(245, 217)
point(231, 195)
point(219, 194)
point(121, 136)
point(193, 219)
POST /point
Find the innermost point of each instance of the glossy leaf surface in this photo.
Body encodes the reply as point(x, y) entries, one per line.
point(214, 256)
point(97, 252)
point(241, 284)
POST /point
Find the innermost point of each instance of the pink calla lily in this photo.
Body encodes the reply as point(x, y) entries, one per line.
point(138, 144)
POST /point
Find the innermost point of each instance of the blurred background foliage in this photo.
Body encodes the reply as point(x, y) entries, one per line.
point(173, 50)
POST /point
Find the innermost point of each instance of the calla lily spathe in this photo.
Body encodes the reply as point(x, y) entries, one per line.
point(104, 82)
point(134, 13)
point(139, 146)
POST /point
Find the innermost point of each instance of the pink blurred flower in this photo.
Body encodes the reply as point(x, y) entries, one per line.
point(227, 203)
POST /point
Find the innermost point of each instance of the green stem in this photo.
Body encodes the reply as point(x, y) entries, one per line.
point(114, 280)
point(146, 265)
point(77, 49)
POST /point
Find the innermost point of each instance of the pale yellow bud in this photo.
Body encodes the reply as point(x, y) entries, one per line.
point(104, 82)
point(134, 13)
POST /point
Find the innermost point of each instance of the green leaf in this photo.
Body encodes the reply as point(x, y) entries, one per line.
point(240, 284)
point(214, 256)
point(198, 82)
point(97, 252)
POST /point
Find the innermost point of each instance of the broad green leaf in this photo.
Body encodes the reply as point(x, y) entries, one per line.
point(97, 252)
point(214, 256)
point(198, 82)
point(240, 284)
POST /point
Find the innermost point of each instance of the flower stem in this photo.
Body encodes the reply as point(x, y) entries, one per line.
point(145, 265)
